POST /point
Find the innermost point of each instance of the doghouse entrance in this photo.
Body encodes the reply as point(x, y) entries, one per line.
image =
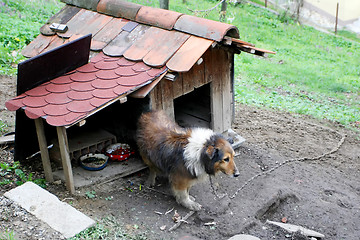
point(193, 109)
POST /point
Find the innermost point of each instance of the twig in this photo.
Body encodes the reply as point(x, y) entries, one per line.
point(182, 220)
point(207, 10)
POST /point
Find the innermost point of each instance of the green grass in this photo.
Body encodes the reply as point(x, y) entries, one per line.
point(110, 228)
point(20, 21)
point(312, 73)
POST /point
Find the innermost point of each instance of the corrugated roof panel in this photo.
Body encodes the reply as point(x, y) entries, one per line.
point(188, 54)
point(157, 57)
point(205, 28)
point(124, 40)
point(157, 17)
point(117, 8)
point(152, 38)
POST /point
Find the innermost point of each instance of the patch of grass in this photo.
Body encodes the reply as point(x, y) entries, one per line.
point(7, 235)
point(350, 35)
point(110, 228)
point(12, 173)
point(20, 21)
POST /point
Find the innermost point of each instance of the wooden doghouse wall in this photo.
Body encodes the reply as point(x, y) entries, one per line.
point(215, 69)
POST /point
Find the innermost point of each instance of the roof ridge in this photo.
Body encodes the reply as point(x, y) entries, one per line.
point(162, 18)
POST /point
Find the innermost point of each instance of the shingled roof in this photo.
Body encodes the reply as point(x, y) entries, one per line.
point(131, 46)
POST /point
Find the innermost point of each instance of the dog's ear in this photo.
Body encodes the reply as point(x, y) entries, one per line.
point(210, 151)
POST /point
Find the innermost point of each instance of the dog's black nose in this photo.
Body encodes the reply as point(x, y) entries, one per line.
point(236, 174)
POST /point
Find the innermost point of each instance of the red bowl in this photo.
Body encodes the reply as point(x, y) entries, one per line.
point(119, 151)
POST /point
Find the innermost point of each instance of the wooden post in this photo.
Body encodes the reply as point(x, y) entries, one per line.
point(65, 158)
point(266, 3)
point(44, 150)
point(337, 17)
point(168, 97)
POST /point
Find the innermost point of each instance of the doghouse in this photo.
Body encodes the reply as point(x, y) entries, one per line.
point(98, 64)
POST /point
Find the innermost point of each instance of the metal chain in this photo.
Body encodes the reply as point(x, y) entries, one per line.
point(303, 159)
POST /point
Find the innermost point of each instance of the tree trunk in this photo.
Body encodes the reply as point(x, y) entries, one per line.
point(164, 4)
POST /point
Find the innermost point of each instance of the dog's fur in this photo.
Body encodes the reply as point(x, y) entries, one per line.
point(184, 155)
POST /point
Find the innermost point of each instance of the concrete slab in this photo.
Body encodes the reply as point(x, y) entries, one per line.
point(243, 237)
point(48, 208)
point(84, 177)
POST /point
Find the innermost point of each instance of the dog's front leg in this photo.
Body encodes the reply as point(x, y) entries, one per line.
point(183, 198)
point(152, 177)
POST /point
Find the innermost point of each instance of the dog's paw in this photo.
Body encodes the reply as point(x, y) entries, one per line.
point(191, 205)
point(194, 206)
point(192, 198)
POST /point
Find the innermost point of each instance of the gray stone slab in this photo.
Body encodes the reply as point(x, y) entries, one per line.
point(243, 237)
point(48, 208)
point(83, 178)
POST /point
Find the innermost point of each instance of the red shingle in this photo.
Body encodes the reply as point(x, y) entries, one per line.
point(55, 110)
point(103, 84)
point(34, 113)
point(57, 98)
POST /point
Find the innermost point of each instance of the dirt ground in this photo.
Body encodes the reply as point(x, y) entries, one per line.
point(317, 192)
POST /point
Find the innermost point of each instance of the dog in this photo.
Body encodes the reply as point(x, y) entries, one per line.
point(184, 155)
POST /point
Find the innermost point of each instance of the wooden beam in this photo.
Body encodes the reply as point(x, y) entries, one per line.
point(43, 149)
point(65, 158)
point(168, 98)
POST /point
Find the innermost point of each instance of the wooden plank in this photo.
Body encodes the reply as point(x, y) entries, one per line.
point(188, 82)
point(156, 98)
point(168, 98)
point(65, 158)
point(56, 43)
point(198, 72)
point(217, 69)
point(7, 139)
point(144, 91)
point(37, 45)
point(39, 124)
point(62, 17)
point(78, 21)
point(226, 90)
point(152, 38)
point(159, 55)
point(124, 40)
point(188, 54)
point(107, 34)
point(178, 86)
point(93, 26)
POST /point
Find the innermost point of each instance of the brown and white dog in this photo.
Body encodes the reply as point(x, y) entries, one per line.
point(185, 155)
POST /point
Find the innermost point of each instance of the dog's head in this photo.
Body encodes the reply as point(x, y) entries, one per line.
point(220, 157)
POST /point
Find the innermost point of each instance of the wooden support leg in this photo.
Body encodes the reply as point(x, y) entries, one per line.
point(43, 149)
point(65, 158)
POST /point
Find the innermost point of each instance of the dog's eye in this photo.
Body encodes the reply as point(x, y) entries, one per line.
point(226, 159)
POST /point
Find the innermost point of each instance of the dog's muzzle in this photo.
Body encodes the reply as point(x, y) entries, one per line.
point(236, 172)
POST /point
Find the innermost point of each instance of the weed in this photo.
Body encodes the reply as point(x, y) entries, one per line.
point(7, 235)
point(90, 194)
point(110, 228)
point(17, 175)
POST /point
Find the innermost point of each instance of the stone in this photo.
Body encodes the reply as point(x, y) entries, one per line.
point(48, 208)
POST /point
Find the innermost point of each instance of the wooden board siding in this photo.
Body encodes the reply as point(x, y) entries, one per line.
point(217, 71)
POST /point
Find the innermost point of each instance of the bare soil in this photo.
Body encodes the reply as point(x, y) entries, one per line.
point(311, 190)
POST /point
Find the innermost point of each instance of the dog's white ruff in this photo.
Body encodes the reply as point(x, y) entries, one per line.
point(192, 152)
